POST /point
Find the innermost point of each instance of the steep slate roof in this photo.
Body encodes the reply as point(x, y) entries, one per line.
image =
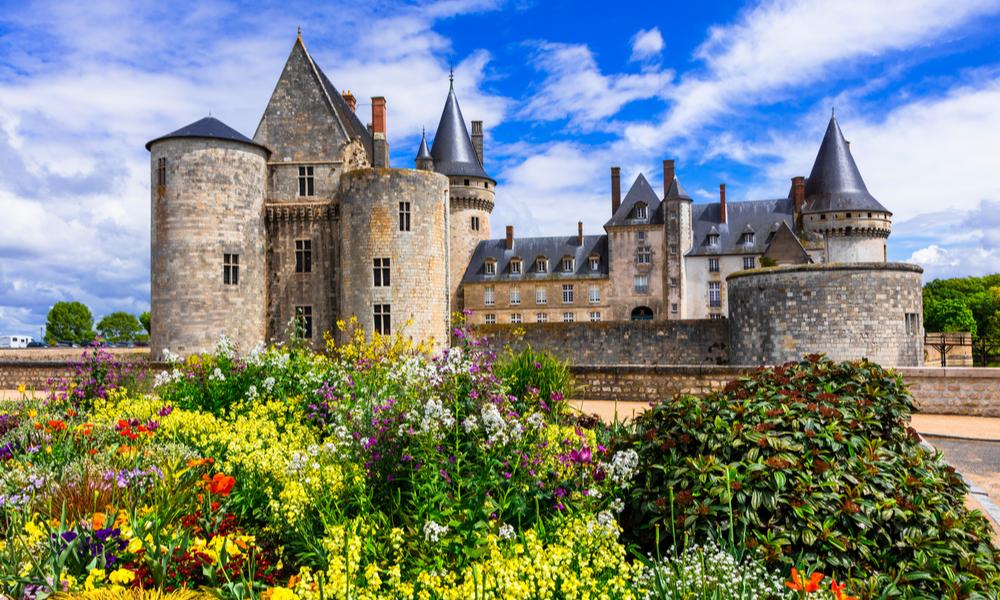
point(835, 183)
point(344, 113)
point(528, 249)
point(763, 217)
point(452, 149)
point(786, 248)
point(209, 127)
point(640, 191)
point(676, 190)
point(423, 152)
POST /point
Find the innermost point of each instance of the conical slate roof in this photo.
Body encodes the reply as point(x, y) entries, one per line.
point(835, 183)
point(640, 191)
point(452, 150)
point(676, 190)
point(423, 152)
point(209, 127)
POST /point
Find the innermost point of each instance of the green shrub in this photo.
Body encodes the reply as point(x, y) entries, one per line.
point(813, 463)
point(534, 374)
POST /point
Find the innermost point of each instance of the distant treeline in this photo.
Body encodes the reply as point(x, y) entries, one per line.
point(966, 304)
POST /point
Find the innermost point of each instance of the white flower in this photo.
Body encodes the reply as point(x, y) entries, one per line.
point(605, 522)
point(617, 505)
point(217, 375)
point(170, 357)
point(225, 347)
point(256, 355)
point(506, 532)
point(436, 417)
point(536, 420)
point(624, 465)
point(252, 393)
point(470, 424)
point(494, 424)
point(268, 384)
point(433, 531)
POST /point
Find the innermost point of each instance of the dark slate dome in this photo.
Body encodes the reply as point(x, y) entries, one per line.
point(210, 128)
point(835, 184)
point(452, 150)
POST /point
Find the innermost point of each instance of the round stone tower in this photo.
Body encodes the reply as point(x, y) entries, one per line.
point(207, 239)
point(395, 263)
point(458, 155)
point(853, 224)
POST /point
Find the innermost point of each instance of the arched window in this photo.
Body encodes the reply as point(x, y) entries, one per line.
point(642, 313)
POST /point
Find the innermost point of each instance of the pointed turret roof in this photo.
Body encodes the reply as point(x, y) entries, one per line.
point(642, 192)
point(835, 183)
point(209, 127)
point(423, 152)
point(452, 149)
point(676, 190)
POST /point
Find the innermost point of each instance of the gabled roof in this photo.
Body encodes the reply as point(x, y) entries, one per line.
point(528, 249)
point(423, 152)
point(835, 183)
point(210, 128)
point(763, 217)
point(347, 117)
point(452, 149)
point(642, 192)
point(785, 248)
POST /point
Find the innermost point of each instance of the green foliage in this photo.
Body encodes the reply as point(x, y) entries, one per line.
point(69, 322)
point(146, 319)
point(980, 296)
point(119, 327)
point(815, 462)
point(535, 373)
point(767, 261)
point(948, 316)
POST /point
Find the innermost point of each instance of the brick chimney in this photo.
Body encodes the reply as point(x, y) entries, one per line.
point(798, 193)
point(668, 175)
point(477, 140)
point(722, 203)
point(510, 237)
point(380, 145)
point(616, 189)
point(350, 99)
point(579, 233)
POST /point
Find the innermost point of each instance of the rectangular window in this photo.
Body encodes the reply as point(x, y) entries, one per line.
point(231, 269)
point(303, 256)
point(568, 294)
point(161, 172)
point(640, 236)
point(383, 319)
point(912, 325)
point(515, 317)
point(640, 213)
point(567, 317)
point(641, 284)
point(595, 316)
point(715, 316)
point(489, 296)
point(595, 294)
point(491, 267)
point(541, 318)
point(713, 265)
point(304, 321)
point(595, 263)
point(515, 296)
point(749, 262)
point(380, 272)
point(714, 294)
point(540, 297)
point(515, 267)
point(747, 238)
point(673, 308)
point(475, 223)
point(673, 282)
point(567, 265)
point(404, 216)
point(490, 318)
point(307, 182)
point(542, 265)
point(673, 249)
point(644, 256)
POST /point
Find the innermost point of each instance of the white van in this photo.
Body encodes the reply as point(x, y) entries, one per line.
point(14, 341)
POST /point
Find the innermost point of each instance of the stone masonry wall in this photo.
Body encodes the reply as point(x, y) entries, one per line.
point(629, 342)
point(847, 311)
point(465, 202)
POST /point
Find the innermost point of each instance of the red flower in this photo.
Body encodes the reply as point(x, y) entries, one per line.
point(838, 591)
point(801, 584)
point(219, 484)
point(57, 425)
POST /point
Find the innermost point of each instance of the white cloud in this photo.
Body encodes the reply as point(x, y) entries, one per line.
point(647, 43)
point(944, 263)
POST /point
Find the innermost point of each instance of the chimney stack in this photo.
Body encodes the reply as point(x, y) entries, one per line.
point(351, 100)
point(477, 140)
point(616, 189)
point(798, 193)
point(579, 233)
point(380, 145)
point(722, 203)
point(510, 237)
point(668, 176)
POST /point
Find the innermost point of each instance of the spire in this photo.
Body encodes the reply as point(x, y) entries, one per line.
point(425, 161)
point(452, 151)
point(835, 183)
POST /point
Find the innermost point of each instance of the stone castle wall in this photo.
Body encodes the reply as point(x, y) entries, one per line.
point(465, 202)
point(846, 311)
point(627, 342)
point(212, 204)
point(418, 290)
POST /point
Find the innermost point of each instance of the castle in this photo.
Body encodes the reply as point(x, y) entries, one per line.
point(307, 224)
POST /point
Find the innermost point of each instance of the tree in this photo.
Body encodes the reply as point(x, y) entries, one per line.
point(146, 320)
point(948, 316)
point(69, 322)
point(119, 327)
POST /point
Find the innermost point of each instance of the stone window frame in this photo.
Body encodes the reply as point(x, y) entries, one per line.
point(568, 317)
point(307, 181)
point(515, 296)
point(749, 262)
point(640, 236)
point(304, 321)
point(382, 314)
point(516, 266)
point(303, 255)
point(641, 284)
point(594, 294)
point(643, 255)
point(595, 316)
point(595, 262)
point(474, 223)
point(489, 296)
point(381, 272)
point(490, 318)
point(567, 264)
point(713, 265)
point(230, 268)
point(714, 294)
point(161, 172)
point(541, 296)
point(713, 239)
point(405, 216)
point(912, 321)
point(673, 308)
point(747, 238)
point(515, 318)
point(541, 264)
point(490, 267)
point(542, 317)
point(568, 294)
point(641, 211)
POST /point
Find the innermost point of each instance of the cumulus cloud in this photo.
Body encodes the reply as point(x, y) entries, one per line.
point(647, 43)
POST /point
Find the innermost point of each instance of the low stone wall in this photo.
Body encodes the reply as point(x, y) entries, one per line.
point(35, 367)
point(688, 342)
point(955, 390)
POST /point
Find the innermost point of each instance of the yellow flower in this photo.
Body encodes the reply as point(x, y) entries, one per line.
point(32, 413)
point(95, 577)
point(280, 593)
point(21, 389)
point(121, 577)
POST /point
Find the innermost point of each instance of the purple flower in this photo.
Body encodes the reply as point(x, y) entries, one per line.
point(444, 475)
point(506, 475)
point(166, 410)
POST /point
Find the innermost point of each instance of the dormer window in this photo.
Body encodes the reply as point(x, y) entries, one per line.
point(515, 266)
point(640, 211)
point(491, 267)
point(595, 263)
point(541, 265)
point(747, 238)
point(567, 264)
point(713, 239)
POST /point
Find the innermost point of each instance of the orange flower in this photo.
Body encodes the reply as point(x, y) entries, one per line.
point(197, 462)
point(123, 449)
point(219, 484)
point(55, 425)
point(838, 591)
point(800, 584)
point(98, 520)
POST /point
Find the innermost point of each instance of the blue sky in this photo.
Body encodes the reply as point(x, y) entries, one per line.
point(736, 93)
